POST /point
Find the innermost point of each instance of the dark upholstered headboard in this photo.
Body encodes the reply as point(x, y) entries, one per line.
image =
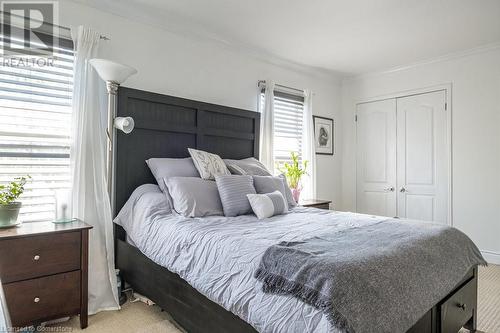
point(166, 126)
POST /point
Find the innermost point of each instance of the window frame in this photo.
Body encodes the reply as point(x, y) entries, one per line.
point(293, 98)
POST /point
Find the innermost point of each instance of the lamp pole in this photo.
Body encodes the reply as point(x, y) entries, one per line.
point(113, 74)
point(112, 88)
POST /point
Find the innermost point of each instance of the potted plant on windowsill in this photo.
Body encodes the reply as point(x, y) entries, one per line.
point(9, 207)
point(293, 173)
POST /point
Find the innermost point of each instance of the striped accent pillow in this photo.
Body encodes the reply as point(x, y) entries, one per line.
point(233, 190)
point(268, 204)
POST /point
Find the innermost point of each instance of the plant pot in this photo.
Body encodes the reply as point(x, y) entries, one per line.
point(9, 214)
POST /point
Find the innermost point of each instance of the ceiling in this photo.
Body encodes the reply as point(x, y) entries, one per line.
point(349, 36)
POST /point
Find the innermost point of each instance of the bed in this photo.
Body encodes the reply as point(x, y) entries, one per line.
point(165, 127)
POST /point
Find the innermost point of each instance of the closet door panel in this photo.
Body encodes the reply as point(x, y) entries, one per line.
point(422, 179)
point(420, 158)
point(376, 158)
point(419, 207)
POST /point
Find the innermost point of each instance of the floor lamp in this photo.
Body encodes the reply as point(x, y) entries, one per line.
point(113, 74)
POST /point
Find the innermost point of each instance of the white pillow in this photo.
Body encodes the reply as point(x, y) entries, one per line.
point(208, 165)
point(268, 204)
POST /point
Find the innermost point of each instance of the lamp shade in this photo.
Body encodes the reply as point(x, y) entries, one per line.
point(112, 71)
point(124, 124)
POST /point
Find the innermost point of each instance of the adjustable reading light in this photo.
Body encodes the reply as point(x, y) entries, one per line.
point(124, 124)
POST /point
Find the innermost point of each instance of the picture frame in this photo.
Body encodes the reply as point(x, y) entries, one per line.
point(324, 135)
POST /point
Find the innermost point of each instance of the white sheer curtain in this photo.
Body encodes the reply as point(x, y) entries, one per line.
point(90, 199)
point(267, 127)
point(308, 147)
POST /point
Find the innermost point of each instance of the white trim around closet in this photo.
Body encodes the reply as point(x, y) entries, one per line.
point(447, 87)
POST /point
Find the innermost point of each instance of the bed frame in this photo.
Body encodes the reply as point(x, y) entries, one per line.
point(166, 126)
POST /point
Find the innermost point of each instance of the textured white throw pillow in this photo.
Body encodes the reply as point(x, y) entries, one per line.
point(208, 165)
point(268, 204)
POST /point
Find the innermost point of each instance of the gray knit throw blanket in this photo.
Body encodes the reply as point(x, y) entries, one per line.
point(380, 277)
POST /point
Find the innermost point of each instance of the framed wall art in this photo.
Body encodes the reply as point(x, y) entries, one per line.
point(323, 135)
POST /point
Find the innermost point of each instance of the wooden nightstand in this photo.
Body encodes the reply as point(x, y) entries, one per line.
point(44, 271)
point(316, 203)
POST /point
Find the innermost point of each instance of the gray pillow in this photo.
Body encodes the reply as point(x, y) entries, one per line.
point(171, 167)
point(145, 199)
point(268, 204)
point(247, 166)
point(233, 190)
point(288, 192)
point(193, 196)
point(268, 184)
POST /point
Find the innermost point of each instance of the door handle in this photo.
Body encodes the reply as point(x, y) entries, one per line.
point(402, 189)
point(389, 189)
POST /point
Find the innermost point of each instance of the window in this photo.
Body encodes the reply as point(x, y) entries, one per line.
point(35, 119)
point(288, 113)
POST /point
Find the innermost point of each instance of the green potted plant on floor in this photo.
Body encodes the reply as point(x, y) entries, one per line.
point(293, 173)
point(9, 207)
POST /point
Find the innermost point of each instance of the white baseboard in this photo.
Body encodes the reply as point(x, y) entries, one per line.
point(491, 257)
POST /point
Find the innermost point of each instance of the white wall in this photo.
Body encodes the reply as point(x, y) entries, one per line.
point(177, 65)
point(475, 79)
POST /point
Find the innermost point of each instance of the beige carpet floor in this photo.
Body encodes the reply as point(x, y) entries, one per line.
point(141, 318)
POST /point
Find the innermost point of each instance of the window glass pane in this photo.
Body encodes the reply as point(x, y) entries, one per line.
point(35, 116)
point(288, 114)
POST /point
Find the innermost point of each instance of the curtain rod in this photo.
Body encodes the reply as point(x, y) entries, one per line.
point(291, 90)
point(263, 83)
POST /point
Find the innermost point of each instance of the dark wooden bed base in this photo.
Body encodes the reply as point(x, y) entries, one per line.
point(165, 127)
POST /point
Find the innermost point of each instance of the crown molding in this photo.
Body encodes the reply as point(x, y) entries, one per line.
point(448, 57)
point(198, 33)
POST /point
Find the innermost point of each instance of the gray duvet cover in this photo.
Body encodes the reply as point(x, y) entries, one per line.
point(219, 256)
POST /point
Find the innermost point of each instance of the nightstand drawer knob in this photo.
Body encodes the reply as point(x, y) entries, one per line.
point(36, 258)
point(36, 299)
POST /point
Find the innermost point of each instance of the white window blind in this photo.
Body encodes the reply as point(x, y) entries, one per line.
point(35, 119)
point(288, 113)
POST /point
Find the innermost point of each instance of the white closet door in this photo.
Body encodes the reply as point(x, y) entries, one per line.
point(376, 158)
point(422, 170)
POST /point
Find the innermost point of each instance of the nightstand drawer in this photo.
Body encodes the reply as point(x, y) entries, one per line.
point(40, 255)
point(43, 298)
point(459, 308)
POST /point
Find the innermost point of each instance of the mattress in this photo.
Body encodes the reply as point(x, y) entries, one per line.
point(218, 256)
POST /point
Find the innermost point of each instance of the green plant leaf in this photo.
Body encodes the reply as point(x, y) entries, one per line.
point(293, 170)
point(12, 191)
